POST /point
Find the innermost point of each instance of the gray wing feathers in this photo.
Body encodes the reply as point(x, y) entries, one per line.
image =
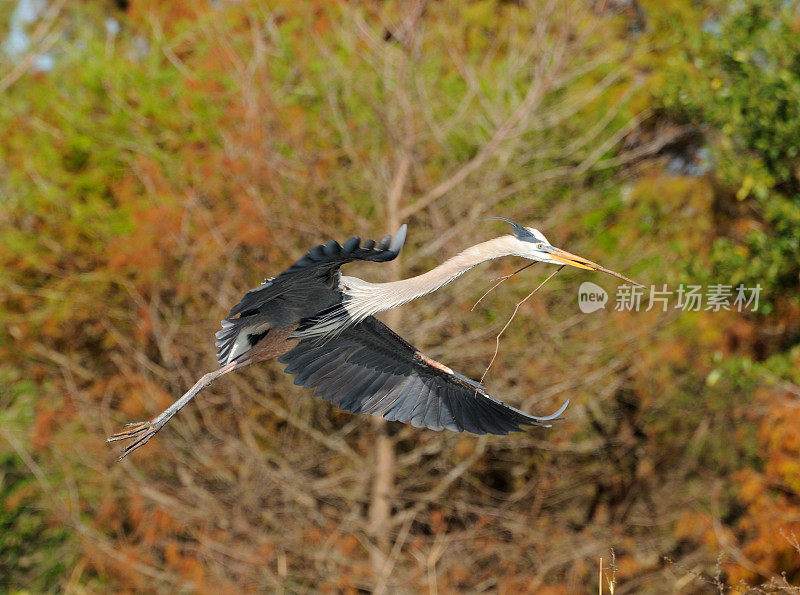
point(369, 369)
point(311, 282)
point(320, 263)
point(225, 339)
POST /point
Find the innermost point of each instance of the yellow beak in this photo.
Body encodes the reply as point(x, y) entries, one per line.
point(577, 261)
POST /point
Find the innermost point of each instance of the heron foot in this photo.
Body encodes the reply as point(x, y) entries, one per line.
point(140, 432)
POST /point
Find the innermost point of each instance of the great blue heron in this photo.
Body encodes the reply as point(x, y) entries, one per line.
point(322, 325)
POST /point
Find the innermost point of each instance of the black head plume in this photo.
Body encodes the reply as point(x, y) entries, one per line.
point(520, 232)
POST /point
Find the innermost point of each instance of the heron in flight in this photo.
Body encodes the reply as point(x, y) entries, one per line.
point(322, 325)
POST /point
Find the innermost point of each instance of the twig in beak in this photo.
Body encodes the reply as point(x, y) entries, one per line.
point(516, 309)
point(499, 281)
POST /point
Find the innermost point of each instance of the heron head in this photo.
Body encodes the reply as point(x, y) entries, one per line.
point(533, 245)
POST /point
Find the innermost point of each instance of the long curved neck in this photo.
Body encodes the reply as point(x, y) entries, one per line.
point(366, 298)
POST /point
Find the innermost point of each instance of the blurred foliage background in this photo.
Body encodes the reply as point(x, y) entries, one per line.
point(158, 159)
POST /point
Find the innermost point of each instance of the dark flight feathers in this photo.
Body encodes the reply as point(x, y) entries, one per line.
point(368, 368)
point(313, 278)
point(322, 262)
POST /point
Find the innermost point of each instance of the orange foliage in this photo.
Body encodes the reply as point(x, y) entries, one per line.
point(772, 497)
point(166, 14)
point(697, 527)
point(43, 429)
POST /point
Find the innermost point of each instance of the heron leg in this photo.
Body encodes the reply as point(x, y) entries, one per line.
point(141, 432)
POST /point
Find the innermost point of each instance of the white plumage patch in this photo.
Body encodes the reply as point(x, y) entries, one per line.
point(242, 343)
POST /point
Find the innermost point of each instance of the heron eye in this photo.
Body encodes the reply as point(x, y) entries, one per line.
point(539, 246)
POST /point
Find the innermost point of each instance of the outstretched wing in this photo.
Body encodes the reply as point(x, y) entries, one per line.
point(319, 268)
point(368, 368)
point(303, 290)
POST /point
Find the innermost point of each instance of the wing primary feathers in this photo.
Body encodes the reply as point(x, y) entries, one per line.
point(355, 387)
point(368, 368)
point(410, 399)
point(433, 415)
point(320, 264)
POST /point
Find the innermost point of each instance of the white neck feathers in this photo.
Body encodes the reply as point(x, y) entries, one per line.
point(363, 298)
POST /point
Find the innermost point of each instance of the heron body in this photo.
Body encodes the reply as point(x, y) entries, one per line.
point(322, 325)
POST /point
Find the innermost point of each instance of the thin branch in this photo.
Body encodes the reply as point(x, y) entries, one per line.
point(501, 280)
point(516, 309)
point(535, 94)
point(42, 39)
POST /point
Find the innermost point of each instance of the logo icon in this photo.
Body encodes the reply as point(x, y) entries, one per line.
point(591, 297)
